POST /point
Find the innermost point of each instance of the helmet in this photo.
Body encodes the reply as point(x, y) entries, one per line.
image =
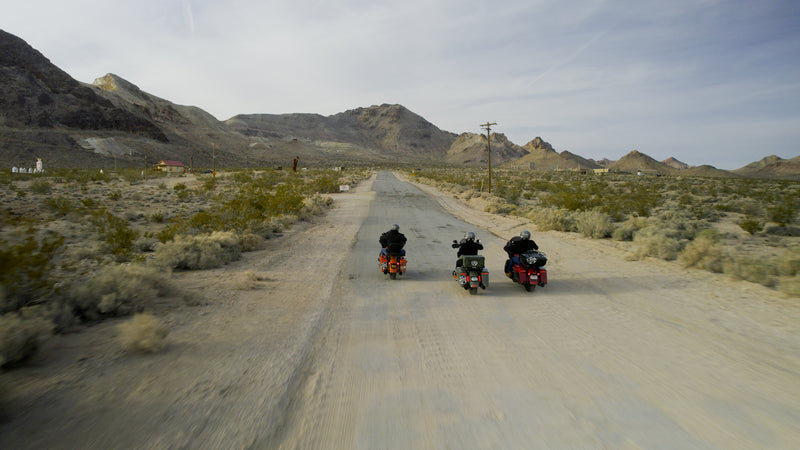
point(470, 236)
point(396, 227)
point(525, 234)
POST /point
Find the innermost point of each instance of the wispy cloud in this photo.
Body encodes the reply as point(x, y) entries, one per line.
point(598, 78)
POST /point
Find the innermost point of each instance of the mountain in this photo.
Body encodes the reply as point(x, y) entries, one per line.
point(542, 156)
point(772, 167)
point(706, 171)
point(635, 162)
point(387, 133)
point(675, 164)
point(45, 113)
point(470, 149)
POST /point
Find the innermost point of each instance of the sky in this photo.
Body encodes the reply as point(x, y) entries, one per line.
point(705, 81)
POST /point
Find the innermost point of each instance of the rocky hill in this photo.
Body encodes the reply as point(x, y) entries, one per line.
point(675, 164)
point(772, 167)
point(542, 156)
point(471, 149)
point(637, 162)
point(45, 113)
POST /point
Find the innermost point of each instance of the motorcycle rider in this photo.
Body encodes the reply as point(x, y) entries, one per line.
point(516, 246)
point(467, 246)
point(393, 241)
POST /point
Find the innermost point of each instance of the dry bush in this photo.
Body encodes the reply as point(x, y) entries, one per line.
point(755, 270)
point(118, 290)
point(788, 264)
point(594, 224)
point(246, 281)
point(203, 251)
point(250, 242)
point(790, 286)
point(705, 252)
point(21, 336)
point(552, 219)
point(143, 333)
point(628, 229)
point(653, 241)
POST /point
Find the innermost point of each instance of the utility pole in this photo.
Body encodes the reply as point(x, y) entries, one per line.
point(214, 160)
point(488, 127)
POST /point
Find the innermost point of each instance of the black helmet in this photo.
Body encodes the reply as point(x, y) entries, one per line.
point(525, 234)
point(470, 236)
point(396, 227)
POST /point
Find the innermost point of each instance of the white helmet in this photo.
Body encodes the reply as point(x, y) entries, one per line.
point(525, 234)
point(396, 227)
point(470, 236)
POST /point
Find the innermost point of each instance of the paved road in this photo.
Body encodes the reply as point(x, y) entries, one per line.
point(609, 355)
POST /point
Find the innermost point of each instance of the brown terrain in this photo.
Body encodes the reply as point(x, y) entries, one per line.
point(324, 351)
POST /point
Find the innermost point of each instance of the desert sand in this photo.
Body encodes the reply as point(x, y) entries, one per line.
point(324, 351)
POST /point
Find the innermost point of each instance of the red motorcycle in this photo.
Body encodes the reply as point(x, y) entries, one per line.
point(393, 264)
point(530, 271)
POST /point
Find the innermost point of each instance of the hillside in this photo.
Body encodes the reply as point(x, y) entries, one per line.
point(635, 162)
point(45, 113)
point(772, 167)
point(471, 149)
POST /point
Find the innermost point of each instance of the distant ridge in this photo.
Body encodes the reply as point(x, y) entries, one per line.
point(772, 167)
point(46, 113)
point(636, 161)
point(675, 164)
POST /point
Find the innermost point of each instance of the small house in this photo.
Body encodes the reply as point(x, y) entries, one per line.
point(170, 166)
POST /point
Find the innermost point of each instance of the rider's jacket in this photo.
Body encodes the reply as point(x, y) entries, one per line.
point(516, 245)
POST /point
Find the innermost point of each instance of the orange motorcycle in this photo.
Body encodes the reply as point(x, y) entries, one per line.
point(392, 263)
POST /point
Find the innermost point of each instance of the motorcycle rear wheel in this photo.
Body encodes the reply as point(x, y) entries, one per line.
point(393, 275)
point(473, 291)
point(528, 287)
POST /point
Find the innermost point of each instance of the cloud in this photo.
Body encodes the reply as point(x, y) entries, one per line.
point(598, 78)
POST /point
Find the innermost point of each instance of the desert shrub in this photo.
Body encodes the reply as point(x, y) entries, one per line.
point(61, 205)
point(782, 214)
point(315, 205)
point(748, 268)
point(117, 234)
point(40, 187)
point(179, 187)
point(25, 270)
point(203, 251)
point(250, 242)
point(788, 263)
point(118, 289)
point(143, 333)
point(324, 183)
point(788, 230)
point(653, 241)
point(157, 217)
point(751, 225)
point(115, 195)
point(626, 230)
point(246, 281)
point(594, 224)
point(790, 286)
point(705, 252)
point(552, 219)
point(21, 336)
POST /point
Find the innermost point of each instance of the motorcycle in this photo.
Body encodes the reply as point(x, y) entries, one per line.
point(393, 264)
point(472, 274)
point(530, 271)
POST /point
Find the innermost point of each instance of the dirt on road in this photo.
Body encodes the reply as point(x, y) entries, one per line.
point(326, 352)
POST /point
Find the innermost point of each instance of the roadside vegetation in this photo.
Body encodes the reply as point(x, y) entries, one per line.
point(746, 228)
point(78, 246)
